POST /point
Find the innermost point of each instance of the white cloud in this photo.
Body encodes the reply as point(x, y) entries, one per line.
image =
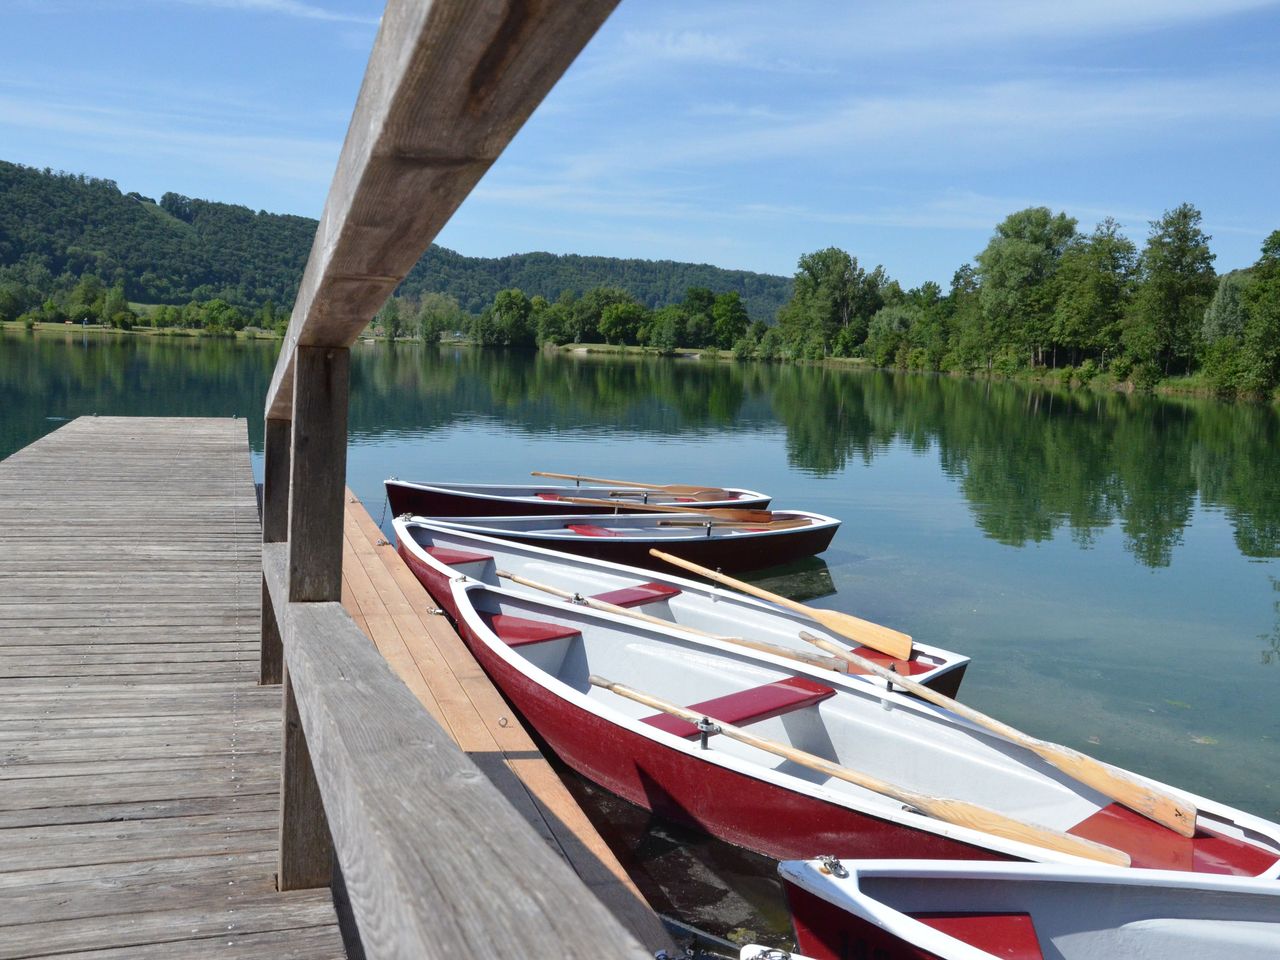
point(289, 8)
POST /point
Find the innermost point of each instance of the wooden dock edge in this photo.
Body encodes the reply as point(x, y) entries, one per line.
point(386, 601)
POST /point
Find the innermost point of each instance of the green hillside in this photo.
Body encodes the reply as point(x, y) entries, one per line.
point(58, 226)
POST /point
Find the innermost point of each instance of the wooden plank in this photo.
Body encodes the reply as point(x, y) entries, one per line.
point(448, 85)
point(483, 724)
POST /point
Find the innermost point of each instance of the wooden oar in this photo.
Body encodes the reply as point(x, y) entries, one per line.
point(677, 489)
point(869, 634)
point(1177, 815)
point(739, 524)
point(802, 656)
point(960, 812)
point(723, 513)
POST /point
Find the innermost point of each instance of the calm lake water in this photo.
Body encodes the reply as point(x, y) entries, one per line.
point(1109, 561)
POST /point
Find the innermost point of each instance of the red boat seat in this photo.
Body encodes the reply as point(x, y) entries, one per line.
point(518, 631)
point(1010, 936)
point(641, 593)
point(906, 667)
point(748, 706)
point(454, 558)
point(589, 530)
point(1151, 845)
point(548, 496)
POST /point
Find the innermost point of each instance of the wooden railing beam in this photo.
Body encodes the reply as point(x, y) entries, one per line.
point(436, 861)
point(306, 848)
point(318, 473)
point(275, 529)
point(449, 83)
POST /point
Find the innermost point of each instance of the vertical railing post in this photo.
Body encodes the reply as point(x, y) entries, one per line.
point(275, 529)
point(317, 477)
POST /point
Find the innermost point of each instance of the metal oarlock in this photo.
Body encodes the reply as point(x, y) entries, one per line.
point(705, 729)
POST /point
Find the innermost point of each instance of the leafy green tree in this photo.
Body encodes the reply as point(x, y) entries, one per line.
point(1261, 366)
point(1017, 271)
point(438, 313)
point(888, 338)
point(1095, 286)
point(512, 314)
point(390, 319)
point(833, 298)
point(972, 346)
point(621, 322)
point(666, 329)
point(585, 320)
point(729, 319)
point(1224, 318)
point(1176, 284)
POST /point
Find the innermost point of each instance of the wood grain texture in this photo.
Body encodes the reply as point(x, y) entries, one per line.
point(448, 85)
point(429, 656)
point(474, 880)
point(139, 759)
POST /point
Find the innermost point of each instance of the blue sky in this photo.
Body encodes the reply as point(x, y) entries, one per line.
point(740, 134)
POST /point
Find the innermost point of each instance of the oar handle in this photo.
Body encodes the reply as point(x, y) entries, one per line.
point(802, 656)
point(869, 634)
point(729, 581)
point(612, 483)
point(959, 812)
point(1176, 814)
point(737, 514)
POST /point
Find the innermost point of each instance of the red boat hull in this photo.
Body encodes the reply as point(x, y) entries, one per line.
point(439, 503)
point(826, 932)
point(738, 553)
point(726, 804)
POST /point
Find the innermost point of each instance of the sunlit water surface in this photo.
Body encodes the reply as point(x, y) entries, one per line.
point(1109, 561)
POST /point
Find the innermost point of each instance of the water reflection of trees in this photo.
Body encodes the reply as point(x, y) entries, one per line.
point(1031, 462)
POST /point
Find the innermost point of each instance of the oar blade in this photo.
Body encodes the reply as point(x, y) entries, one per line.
point(1164, 808)
point(885, 639)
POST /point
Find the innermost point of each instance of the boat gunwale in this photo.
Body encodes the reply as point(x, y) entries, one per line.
point(848, 894)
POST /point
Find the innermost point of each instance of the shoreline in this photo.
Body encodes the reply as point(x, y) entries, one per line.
point(1102, 382)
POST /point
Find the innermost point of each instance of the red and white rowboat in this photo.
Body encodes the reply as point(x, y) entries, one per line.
point(542, 654)
point(933, 910)
point(439, 554)
point(528, 499)
point(626, 538)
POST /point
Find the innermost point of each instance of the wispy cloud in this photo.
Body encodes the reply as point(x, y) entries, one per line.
point(288, 8)
point(126, 133)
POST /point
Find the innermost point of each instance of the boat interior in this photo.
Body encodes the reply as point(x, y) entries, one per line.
point(889, 736)
point(1075, 920)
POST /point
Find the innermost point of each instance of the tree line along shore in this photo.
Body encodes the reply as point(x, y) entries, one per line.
point(1041, 300)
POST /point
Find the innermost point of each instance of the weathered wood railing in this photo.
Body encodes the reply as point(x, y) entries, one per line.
point(434, 861)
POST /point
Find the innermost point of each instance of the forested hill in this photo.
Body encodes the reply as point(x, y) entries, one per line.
point(180, 249)
point(473, 281)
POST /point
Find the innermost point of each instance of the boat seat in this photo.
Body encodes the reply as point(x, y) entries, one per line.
point(548, 496)
point(455, 558)
point(590, 530)
point(748, 706)
point(1151, 845)
point(1010, 936)
point(639, 594)
point(519, 631)
point(907, 668)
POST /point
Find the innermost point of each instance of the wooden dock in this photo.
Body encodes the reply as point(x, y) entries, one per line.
point(139, 756)
point(139, 759)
